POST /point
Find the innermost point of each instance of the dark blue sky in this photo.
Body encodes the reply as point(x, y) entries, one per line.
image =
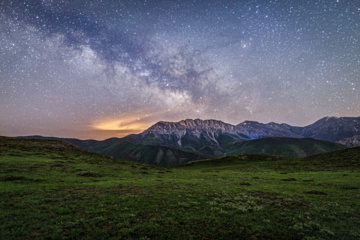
point(96, 69)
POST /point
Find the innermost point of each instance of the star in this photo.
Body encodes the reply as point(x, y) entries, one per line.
point(69, 66)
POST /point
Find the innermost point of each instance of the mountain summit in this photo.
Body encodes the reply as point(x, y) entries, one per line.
point(204, 136)
point(256, 130)
point(333, 129)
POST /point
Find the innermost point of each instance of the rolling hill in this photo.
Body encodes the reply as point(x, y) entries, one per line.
point(291, 147)
point(163, 156)
point(166, 156)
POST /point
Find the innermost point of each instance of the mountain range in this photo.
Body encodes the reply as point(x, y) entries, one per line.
point(175, 143)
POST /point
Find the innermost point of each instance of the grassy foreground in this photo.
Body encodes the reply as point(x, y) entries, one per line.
point(54, 190)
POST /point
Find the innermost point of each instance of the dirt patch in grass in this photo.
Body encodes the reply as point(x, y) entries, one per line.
point(315, 192)
point(276, 201)
point(289, 179)
point(88, 174)
point(15, 155)
point(58, 164)
point(11, 178)
point(9, 170)
point(80, 190)
point(36, 234)
point(350, 188)
point(245, 183)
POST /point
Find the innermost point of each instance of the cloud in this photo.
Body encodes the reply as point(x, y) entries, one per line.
point(127, 125)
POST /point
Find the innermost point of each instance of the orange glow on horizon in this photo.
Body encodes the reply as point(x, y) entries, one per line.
point(128, 125)
point(120, 125)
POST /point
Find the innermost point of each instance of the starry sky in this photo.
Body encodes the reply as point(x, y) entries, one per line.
point(105, 68)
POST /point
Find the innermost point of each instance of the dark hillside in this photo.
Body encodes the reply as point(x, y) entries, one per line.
point(291, 147)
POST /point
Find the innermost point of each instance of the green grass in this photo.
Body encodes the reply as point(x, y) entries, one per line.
point(53, 190)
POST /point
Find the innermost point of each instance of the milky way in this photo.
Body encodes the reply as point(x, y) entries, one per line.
point(97, 69)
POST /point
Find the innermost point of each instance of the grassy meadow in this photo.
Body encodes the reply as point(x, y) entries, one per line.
point(54, 190)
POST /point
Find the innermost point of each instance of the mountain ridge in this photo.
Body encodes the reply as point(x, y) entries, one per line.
point(196, 138)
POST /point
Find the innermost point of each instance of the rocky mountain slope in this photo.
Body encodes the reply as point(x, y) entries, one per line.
point(199, 134)
point(350, 142)
point(256, 130)
point(333, 129)
point(215, 138)
point(204, 136)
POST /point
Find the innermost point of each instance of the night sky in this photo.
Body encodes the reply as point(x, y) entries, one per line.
point(99, 69)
